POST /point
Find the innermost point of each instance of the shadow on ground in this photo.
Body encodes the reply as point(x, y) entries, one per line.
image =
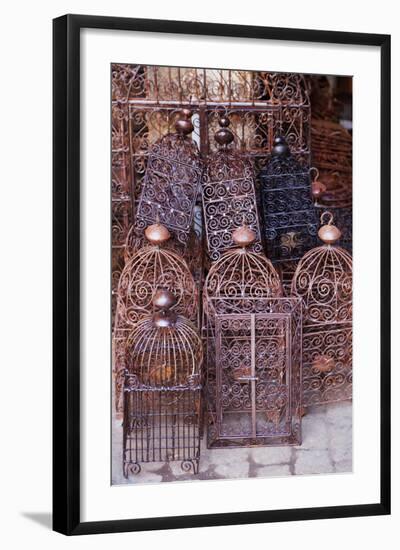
point(45, 519)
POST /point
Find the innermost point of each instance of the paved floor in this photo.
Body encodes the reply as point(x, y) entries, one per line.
point(326, 448)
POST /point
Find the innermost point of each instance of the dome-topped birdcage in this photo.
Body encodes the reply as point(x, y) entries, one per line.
point(151, 268)
point(162, 407)
point(289, 216)
point(164, 349)
point(228, 194)
point(241, 273)
point(171, 182)
point(323, 279)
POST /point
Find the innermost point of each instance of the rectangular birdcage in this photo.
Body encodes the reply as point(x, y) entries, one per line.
point(253, 380)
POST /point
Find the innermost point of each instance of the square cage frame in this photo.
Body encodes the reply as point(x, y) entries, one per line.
point(284, 314)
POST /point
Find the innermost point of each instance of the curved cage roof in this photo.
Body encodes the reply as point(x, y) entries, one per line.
point(323, 279)
point(150, 269)
point(166, 356)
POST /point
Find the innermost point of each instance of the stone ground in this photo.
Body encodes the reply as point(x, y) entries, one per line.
point(326, 448)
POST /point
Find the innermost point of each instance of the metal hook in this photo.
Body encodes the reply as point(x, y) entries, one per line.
point(330, 220)
point(314, 169)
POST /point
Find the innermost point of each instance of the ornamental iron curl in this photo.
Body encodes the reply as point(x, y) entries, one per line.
point(323, 279)
point(289, 216)
point(228, 195)
point(150, 269)
point(162, 392)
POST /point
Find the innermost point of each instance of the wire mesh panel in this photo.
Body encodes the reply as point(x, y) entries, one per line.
point(257, 392)
point(323, 279)
point(161, 426)
point(289, 216)
point(162, 391)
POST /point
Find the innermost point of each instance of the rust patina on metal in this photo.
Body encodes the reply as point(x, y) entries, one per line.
point(150, 269)
point(323, 279)
point(162, 390)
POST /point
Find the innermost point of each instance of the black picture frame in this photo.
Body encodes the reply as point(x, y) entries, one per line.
point(66, 273)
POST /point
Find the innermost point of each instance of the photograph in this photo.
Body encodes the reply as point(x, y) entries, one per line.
point(231, 277)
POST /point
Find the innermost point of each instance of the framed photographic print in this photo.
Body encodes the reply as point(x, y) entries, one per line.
point(221, 274)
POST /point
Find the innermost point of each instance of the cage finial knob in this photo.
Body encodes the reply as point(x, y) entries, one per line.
point(243, 236)
point(184, 125)
point(163, 300)
point(157, 233)
point(280, 147)
point(317, 188)
point(224, 135)
point(328, 233)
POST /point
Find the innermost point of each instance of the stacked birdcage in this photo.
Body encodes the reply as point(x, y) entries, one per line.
point(151, 268)
point(228, 194)
point(252, 339)
point(171, 182)
point(289, 215)
point(323, 280)
point(162, 390)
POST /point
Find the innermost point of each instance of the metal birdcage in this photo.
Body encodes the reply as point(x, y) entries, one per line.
point(242, 275)
point(228, 194)
point(323, 279)
point(256, 395)
point(162, 391)
point(151, 268)
point(171, 182)
point(289, 217)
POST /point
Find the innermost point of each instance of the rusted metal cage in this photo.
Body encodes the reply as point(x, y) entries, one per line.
point(239, 274)
point(171, 182)
point(256, 397)
point(162, 391)
point(289, 216)
point(323, 279)
point(147, 100)
point(150, 269)
point(228, 192)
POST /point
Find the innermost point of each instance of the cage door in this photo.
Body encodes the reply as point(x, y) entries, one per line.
point(236, 376)
point(253, 376)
